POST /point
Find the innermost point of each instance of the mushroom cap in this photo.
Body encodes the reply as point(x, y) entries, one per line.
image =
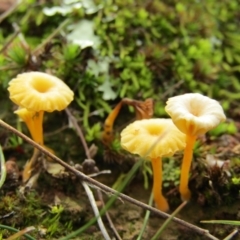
point(25, 114)
point(195, 114)
point(152, 138)
point(38, 91)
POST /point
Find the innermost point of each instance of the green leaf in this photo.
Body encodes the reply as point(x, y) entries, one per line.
point(82, 34)
point(106, 88)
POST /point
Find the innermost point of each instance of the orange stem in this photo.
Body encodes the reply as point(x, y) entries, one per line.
point(34, 124)
point(159, 199)
point(107, 136)
point(186, 165)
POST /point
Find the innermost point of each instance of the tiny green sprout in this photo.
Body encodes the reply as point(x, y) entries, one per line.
point(57, 209)
point(236, 181)
point(53, 223)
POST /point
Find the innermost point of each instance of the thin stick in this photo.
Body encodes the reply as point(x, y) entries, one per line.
point(79, 132)
point(108, 217)
point(87, 152)
point(96, 212)
point(105, 188)
point(87, 189)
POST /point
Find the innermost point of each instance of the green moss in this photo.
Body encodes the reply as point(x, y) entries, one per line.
point(28, 210)
point(154, 49)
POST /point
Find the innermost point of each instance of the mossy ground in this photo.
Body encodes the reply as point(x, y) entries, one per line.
point(154, 49)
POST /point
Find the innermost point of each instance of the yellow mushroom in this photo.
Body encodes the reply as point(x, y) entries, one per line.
point(154, 139)
point(35, 93)
point(194, 115)
point(38, 91)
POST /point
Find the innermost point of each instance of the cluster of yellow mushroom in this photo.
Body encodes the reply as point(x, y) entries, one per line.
point(191, 115)
point(36, 93)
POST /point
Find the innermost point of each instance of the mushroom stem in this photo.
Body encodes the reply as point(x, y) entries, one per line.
point(108, 125)
point(29, 166)
point(186, 164)
point(34, 122)
point(34, 125)
point(159, 199)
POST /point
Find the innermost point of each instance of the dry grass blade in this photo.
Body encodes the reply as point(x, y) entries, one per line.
point(21, 233)
point(96, 212)
point(231, 235)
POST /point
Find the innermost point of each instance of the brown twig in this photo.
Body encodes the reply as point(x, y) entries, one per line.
point(79, 132)
point(109, 218)
point(87, 152)
point(96, 211)
point(10, 10)
point(105, 188)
